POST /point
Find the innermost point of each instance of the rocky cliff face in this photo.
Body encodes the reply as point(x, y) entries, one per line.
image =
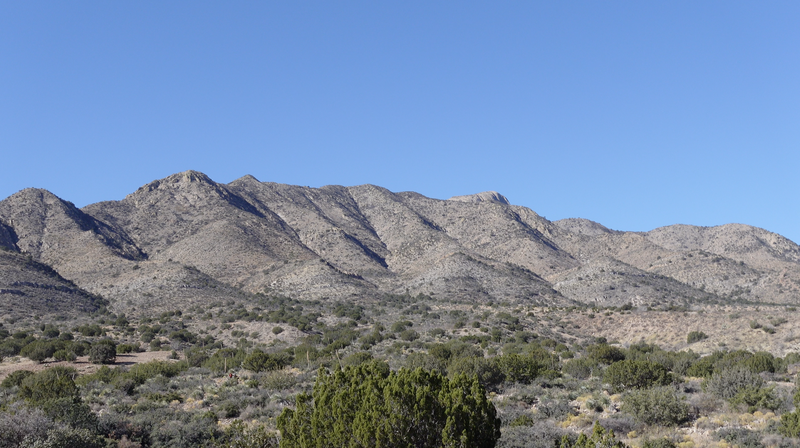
point(187, 239)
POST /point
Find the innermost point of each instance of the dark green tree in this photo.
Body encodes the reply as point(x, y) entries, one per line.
point(53, 383)
point(695, 336)
point(368, 405)
point(259, 361)
point(604, 353)
point(103, 354)
point(628, 374)
point(38, 350)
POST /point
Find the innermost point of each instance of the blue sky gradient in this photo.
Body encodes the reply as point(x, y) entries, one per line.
point(634, 115)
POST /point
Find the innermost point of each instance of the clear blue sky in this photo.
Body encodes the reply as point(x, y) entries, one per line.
point(633, 114)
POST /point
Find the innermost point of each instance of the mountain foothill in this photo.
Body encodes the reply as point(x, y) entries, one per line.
point(186, 239)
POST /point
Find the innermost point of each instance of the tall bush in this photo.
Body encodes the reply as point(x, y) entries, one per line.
point(656, 406)
point(368, 405)
point(728, 382)
point(628, 374)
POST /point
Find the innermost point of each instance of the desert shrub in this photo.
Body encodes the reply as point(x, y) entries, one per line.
point(51, 332)
point(628, 374)
point(728, 382)
point(90, 330)
point(147, 336)
point(11, 347)
point(600, 438)
point(695, 336)
point(181, 430)
point(761, 362)
point(620, 423)
point(604, 353)
point(525, 368)
point(704, 367)
point(104, 374)
point(72, 411)
point(790, 424)
point(64, 355)
point(554, 409)
point(409, 335)
point(305, 354)
point(20, 422)
point(733, 359)
point(581, 368)
point(370, 339)
point(183, 336)
point(795, 397)
point(461, 349)
point(437, 332)
point(487, 372)
point(440, 351)
point(14, 379)
point(656, 406)
point(38, 350)
point(681, 361)
point(357, 358)
point(103, 354)
point(740, 437)
point(277, 380)
point(755, 398)
point(399, 326)
point(195, 356)
point(238, 435)
point(79, 348)
point(339, 337)
point(425, 361)
point(127, 348)
point(368, 405)
point(66, 437)
point(225, 359)
point(229, 409)
point(659, 443)
point(259, 361)
point(53, 383)
point(538, 435)
point(641, 350)
point(140, 373)
point(523, 419)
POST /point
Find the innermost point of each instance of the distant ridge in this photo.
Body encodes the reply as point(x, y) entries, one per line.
point(187, 239)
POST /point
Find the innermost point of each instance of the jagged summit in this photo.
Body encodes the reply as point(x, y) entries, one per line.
point(177, 180)
point(245, 178)
point(486, 196)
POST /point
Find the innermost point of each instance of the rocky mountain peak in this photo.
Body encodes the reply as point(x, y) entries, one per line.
point(248, 178)
point(486, 196)
point(177, 181)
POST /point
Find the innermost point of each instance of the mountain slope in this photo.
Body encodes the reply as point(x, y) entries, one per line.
point(29, 288)
point(186, 240)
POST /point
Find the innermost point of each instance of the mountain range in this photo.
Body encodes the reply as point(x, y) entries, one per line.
point(186, 238)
